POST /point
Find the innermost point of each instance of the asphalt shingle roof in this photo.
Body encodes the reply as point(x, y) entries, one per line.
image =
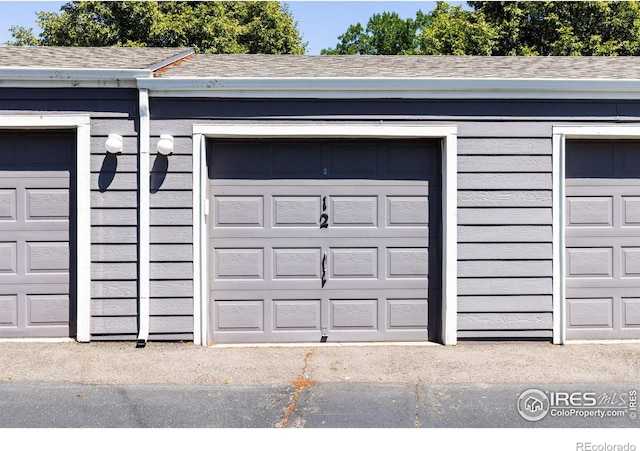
point(86, 57)
point(311, 66)
point(307, 66)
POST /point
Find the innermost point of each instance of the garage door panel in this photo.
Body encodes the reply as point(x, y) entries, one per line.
point(35, 212)
point(305, 263)
point(47, 204)
point(47, 257)
point(239, 315)
point(631, 312)
point(8, 311)
point(322, 240)
point(349, 316)
point(353, 314)
point(589, 211)
point(239, 264)
point(407, 313)
point(238, 211)
point(407, 211)
point(298, 211)
point(296, 314)
point(8, 201)
point(590, 312)
point(8, 258)
point(407, 262)
point(602, 241)
point(353, 263)
point(353, 211)
point(589, 262)
point(631, 211)
point(50, 309)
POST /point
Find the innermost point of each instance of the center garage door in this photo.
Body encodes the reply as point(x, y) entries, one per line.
point(602, 230)
point(35, 202)
point(334, 240)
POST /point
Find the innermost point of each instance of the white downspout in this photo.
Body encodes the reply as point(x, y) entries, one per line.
point(143, 219)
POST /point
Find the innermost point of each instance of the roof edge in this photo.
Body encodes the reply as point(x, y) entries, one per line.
point(63, 77)
point(427, 88)
point(171, 60)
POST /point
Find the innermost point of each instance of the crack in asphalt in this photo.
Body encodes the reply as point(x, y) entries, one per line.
point(416, 420)
point(299, 384)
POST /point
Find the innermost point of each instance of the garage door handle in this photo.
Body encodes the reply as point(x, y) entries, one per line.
point(324, 269)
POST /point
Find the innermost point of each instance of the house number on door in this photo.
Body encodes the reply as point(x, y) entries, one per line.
point(324, 217)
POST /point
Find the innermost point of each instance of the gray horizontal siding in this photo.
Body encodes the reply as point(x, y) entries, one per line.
point(114, 228)
point(504, 216)
point(504, 181)
point(171, 235)
point(506, 198)
point(114, 215)
point(505, 321)
point(504, 251)
point(129, 307)
point(505, 303)
point(119, 103)
point(505, 270)
point(501, 268)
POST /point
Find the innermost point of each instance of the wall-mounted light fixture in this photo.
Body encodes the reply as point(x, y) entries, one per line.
point(113, 143)
point(165, 145)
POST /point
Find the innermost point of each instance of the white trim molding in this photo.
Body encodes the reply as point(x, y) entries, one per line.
point(83, 206)
point(560, 135)
point(382, 88)
point(71, 78)
point(448, 134)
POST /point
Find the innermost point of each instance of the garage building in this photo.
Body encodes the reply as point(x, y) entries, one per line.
point(156, 194)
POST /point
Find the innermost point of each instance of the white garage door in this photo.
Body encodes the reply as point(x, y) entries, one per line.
point(602, 230)
point(35, 203)
point(324, 240)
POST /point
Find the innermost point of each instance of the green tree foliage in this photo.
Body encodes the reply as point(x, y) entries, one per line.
point(385, 34)
point(208, 26)
point(502, 28)
point(452, 30)
point(564, 28)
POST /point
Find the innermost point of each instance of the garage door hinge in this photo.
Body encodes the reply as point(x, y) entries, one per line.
point(325, 333)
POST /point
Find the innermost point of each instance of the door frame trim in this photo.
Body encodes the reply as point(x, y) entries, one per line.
point(448, 135)
point(560, 134)
point(81, 125)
